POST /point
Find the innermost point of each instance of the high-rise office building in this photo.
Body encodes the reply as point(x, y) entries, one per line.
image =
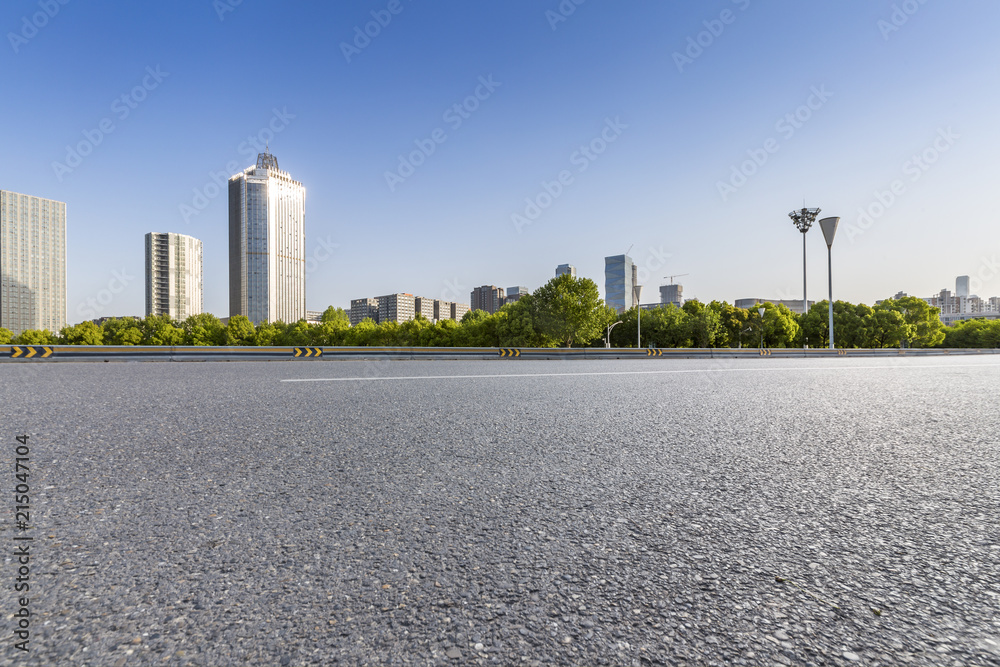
point(488, 297)
point(32, 263)
point(619, 282)
point(565, 268)
point(514, 294)
point(267, 254)
point(173, 275)
point(458, 311)
point(962, 286)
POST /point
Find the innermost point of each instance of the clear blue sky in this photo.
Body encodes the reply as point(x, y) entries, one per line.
point(882, 90)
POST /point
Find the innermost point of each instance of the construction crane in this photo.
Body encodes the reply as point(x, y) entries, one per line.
point(676, 275)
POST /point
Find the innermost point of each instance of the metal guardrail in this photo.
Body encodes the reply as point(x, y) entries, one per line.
point(55, 353)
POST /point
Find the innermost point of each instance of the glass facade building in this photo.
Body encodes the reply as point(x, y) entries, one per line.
point(267, 263)
point(32, 263)
point(619, 282)
point(173, 275)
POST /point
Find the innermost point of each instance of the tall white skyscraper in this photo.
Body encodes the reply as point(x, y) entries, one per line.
point(32, 263)
point(267, 253)
point(173, 275)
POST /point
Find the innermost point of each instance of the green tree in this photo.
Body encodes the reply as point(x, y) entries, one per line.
point(240, 331)
point(203, 329)
point(266, 334)
point(666, 326)
point(363, 333)
point(332, 332)
point(515, 325)
point(332, 314)
point(160, 330)
point(732, 322)
point(122, 331)
point(299, 334)
point(6, 335)
point(569, 309)
point(926, 328)
point(888, 328)
point(413, 333)
point(35, 337)
point(444, 333)
point(781, 327)
point(84, 333)
point(703, 323)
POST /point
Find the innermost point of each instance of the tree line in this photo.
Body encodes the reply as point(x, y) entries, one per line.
point(567, 311)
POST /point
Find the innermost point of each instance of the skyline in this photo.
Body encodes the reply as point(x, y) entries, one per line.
point(590, 116)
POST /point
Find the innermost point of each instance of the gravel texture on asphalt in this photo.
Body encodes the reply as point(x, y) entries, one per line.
point(748, 512)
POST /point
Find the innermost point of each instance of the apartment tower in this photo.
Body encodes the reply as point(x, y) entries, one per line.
point(267, 255)
point(32, 263)
point(173, 275)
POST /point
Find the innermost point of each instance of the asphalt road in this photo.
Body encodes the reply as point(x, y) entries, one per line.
point(766, 511)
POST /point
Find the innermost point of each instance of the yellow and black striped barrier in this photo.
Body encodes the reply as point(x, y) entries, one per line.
point(308, 352)
point(509, 352)
point(652, 352)
point(765, 353)
point(842, 353)
point(30, 352)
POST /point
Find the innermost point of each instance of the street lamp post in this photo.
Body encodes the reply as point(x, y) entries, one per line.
point(607, 340)
point(803, 219)
point(829, 227)
point(638, 316)
point(761, 312)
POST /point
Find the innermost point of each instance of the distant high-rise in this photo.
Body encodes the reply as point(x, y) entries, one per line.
point(488, 297)
point(514, 294)
point(363, 309)
point(962, 286)
point(671, 294)
point(32, 263)
point(565, 268)
point(424, 307)
point(267, 254)
point(397, 308)
point(619, 282)
point(173, 275)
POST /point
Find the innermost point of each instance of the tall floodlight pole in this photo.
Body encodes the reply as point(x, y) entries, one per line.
point(829, 227)
point(803, 219)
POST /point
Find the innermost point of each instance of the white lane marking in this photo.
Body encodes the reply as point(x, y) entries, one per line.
point(691, 370)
